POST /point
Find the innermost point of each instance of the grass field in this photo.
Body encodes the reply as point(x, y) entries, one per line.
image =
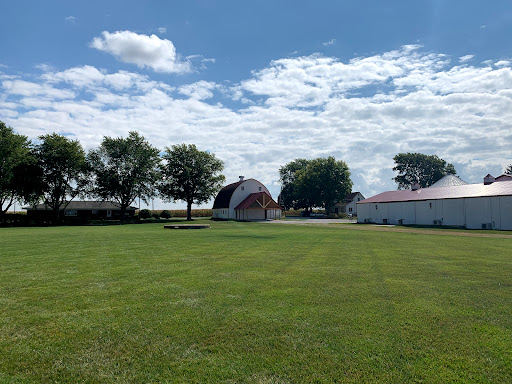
point(256, 303)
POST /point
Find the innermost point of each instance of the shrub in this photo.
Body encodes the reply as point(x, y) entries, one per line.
point(144, 214)
point(165, 214)
point(155, 215)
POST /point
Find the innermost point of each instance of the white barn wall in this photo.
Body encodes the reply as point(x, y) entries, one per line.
point(478, 212)
point(408, 212)
point(424, 212)
point(239, 195)
point(454, 212)
point(506, 212)
point(363, 212)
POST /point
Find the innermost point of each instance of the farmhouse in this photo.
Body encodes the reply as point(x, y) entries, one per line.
point(245, 200)
point(81, 210)
point(487, 205)
point(349, 204)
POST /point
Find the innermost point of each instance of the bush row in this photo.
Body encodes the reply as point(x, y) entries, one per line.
point(166, 214)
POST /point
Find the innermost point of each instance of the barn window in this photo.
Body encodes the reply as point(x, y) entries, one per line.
point(259, 188)
point(70, 212)
point(94, 211)
point(430, 205)
point(375, 206)
point(242, 188)
point(350, 209)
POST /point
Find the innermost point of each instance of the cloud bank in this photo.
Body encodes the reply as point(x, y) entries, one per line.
point(363, 111)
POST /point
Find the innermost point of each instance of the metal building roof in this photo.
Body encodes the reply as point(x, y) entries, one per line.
point(448, 180)
point(503, 188)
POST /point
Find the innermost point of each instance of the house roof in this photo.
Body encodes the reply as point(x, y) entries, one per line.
point(504, 177)
point(224, 196)
point(503, 188)
point(84, 206)
point(448, 180)
point(258, 200)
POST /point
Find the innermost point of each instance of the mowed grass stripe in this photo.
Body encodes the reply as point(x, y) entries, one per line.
point(247, 302)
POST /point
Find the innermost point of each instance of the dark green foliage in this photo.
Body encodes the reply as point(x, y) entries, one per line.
point(190, 175)
point(17, 163)
point(417, 167)
point(124, 169)
point(508, 170)
point(155, 215)
point(165, 214)
point(145, 214)
point(63, 171)
point(320, 182)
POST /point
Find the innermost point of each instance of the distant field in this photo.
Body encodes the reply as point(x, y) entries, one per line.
point(256, 303)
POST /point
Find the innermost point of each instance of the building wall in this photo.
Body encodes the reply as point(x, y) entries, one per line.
point(472, 213)
point(241, 192)
point(220, 213)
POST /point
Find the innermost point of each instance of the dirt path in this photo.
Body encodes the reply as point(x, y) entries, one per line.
point(346, 224)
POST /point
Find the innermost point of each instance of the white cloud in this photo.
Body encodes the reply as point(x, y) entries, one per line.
point(70, 19)
point(200, 91)
point(465, 58)
point(142, 50)
point(26, 88)
point(503, 63)
point(330, 42)
point(162, 30)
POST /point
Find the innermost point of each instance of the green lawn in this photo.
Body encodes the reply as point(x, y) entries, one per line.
point(256, 303)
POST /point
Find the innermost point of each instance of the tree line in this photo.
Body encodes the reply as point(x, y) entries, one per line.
point(57, 169)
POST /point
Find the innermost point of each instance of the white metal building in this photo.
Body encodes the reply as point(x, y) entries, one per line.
point(475, 206)
point(245, 200)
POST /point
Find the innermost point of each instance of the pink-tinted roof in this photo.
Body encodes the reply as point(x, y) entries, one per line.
point(264, 198)
point(504, 177)
point(503, 188)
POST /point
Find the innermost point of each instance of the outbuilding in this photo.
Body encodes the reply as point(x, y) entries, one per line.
point(486, 205)
point(81, 210)
point(245, 200)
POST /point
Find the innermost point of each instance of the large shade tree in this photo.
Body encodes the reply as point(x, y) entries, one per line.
point(63, 171)
point(16, 158)
point(124, 169)
point(508, 170)
point(290, 196)
point(190, 175)
point(419, 168)
point(320, 182)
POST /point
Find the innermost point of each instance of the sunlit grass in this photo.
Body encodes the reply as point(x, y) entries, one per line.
point(247, 302)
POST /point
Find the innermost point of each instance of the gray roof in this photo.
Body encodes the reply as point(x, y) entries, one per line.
point(85, 206)
point(448, 180)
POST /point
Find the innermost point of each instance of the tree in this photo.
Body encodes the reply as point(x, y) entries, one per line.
point(508, 170)
point(290, 196)
point(15, 158)
point(320, 182)
point(190, 175)
point(417, 167)
point(63, 171)
point(124, 169)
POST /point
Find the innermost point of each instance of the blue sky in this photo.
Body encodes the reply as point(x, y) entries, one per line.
point(262, 83)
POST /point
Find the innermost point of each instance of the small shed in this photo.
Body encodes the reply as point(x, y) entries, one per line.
point(246, 200)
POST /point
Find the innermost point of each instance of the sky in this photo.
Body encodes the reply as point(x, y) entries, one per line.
point(260, 84)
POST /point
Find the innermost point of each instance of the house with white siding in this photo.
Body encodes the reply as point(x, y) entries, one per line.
point(486, 205)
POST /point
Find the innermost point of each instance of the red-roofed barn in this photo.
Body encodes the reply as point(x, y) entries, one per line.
point(245, 200)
